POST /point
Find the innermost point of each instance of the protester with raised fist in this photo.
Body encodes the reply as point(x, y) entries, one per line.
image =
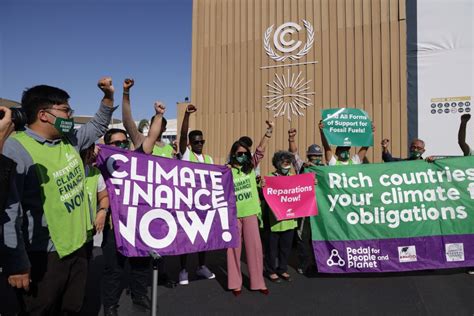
point(314, 156)
point(248, 210)
point(342, 155)
point(46, 258)
point(193, 153)
point(466, 150)
point(140, 267)
point(417, 148)
point(159, 148)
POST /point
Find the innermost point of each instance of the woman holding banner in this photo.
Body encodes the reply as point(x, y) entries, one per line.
point(248, 207)
point(280, 233)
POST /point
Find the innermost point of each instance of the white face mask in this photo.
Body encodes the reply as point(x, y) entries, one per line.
point(285, 170)
point(145, 131)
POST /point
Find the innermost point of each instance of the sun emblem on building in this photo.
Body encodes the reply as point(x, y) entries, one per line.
point(288, 95)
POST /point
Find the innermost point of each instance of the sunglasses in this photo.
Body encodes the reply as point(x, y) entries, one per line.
point(240, 153)
point(120, 143)
point(198, 142)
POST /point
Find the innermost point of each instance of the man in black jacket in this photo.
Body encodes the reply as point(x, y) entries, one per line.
point(7, 168)
point(417, 148)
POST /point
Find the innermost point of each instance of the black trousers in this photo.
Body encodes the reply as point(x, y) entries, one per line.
point(183, 259)
point(114, 278)
point(57, 285)
point(304, 245)
point(279, 247)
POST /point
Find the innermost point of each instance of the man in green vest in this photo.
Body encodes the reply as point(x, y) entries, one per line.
point(193, 153)
point(47, 208)
point(160, 148)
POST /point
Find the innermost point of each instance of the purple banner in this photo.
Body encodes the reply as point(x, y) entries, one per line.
point(396, 254)
point(170, 206)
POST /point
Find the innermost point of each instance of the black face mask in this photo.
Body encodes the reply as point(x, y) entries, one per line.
point(316, 161)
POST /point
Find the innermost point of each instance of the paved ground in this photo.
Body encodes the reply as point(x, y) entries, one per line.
point(442, 292)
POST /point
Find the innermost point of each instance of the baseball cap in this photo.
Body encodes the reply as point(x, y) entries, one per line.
point(314, 150)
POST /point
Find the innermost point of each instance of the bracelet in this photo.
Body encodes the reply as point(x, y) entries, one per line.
point(102, 208)
point(268, 136)
point(291, 140)
point(126, 92)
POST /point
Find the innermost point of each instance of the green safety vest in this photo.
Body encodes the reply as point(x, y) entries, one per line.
point(246, 193)
point(280, 226)
point(91, 184)
point(193, 157)
point(61, 177)
point(165, 151)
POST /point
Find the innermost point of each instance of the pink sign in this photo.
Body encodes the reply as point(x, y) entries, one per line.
point(292, 196)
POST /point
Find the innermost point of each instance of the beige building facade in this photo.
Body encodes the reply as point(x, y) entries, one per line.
point(253, 60)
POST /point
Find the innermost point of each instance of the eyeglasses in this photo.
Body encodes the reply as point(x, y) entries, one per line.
point(198, 142)
point(68, 110)
point(240, 153)
point(120, 143)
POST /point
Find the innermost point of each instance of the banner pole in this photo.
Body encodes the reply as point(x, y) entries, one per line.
point(154, 289)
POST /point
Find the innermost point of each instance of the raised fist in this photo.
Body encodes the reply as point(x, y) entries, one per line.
point(292, 132)
point(105, 84)
point(385, 143)
point(465, 118)
point(270, 124)
point(128, 83)
point(160, 108)
point(191, 108)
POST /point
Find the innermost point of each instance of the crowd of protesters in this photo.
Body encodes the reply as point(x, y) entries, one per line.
point(46, 242)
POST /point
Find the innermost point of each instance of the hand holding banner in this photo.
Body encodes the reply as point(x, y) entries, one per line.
point(291, 197)
point(347, 127)
point(167, 205)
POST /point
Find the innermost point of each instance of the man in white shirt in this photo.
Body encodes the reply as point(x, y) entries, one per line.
point(193, 153)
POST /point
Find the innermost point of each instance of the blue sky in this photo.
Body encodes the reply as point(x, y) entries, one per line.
point(71, 44)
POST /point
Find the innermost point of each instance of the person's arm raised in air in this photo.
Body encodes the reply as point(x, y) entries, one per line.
point(183, 136)
point(96, 128)
point(260, 150)
point(327, 148)
point(462, 134)
point(292, 148)
point(155, 128)
point(127, 118)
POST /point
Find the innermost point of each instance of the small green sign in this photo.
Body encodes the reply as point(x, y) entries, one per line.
point(347, 127)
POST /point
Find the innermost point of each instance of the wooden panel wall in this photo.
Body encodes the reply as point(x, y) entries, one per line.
point(360, 47)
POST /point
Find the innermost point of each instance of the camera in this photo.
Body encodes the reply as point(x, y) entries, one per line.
point(18, 118)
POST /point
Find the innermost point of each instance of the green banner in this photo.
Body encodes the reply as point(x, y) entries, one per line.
point(347, 127)
point(395, 200)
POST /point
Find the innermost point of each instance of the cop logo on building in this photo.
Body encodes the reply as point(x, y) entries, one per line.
point(284, 46)
point(289, 93)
